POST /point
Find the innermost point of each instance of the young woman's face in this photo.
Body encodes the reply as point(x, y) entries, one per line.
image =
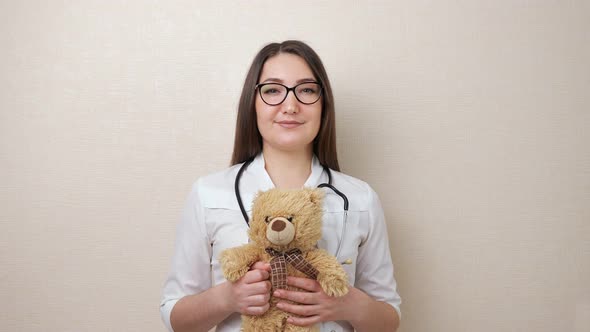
point(291, 125)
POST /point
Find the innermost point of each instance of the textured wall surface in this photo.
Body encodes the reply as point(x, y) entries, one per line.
point(469, 118)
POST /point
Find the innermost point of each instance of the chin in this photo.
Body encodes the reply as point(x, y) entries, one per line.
point(290, 145)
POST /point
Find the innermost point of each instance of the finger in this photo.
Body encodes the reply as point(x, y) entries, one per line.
point(304, 321)
point(299, 309)
point(299, 297)
point(256, 310)
point(261, 287)
point(304, 283)
point(260, 266)
point(257, 300)
point(253, 276)
point(257, 288)
point(267, 297)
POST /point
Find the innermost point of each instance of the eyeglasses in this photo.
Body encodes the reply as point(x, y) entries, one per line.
point(275, 93)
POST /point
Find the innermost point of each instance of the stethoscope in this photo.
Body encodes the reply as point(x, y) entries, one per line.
point(321, 185)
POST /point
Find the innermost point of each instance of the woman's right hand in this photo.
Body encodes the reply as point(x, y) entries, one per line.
point(250, 294)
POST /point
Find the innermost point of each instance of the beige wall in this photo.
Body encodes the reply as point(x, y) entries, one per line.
point(469, 118)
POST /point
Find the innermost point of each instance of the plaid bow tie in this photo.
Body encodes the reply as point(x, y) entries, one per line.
point(278, 266)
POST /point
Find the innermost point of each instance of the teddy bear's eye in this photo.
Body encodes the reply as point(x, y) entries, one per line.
point(290, 219)
point(267, 219)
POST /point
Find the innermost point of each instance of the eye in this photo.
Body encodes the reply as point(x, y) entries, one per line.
point(267, 219)
point(290, 219)
point(308, 89)
point(270, 91)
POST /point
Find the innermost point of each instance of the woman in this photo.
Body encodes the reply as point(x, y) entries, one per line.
point(286, 125)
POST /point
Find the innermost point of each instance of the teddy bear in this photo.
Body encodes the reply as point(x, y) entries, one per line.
point(284, 230)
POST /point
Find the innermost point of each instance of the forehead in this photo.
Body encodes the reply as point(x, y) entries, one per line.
point(286, 67)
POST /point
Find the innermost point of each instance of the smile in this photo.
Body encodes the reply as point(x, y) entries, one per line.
point(289, 124)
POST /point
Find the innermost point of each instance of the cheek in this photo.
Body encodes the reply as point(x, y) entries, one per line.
point(261, 114)
point(264, 120)
point(317, 119)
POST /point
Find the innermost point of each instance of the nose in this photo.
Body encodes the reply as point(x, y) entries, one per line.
point(291, 104)
point(278, 225)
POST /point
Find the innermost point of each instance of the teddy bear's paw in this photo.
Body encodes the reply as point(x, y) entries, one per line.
point(234, 274)
point(232, 269)
point(334, 286)
point(293, 328)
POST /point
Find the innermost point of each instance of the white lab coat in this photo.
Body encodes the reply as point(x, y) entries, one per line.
point(212, 221)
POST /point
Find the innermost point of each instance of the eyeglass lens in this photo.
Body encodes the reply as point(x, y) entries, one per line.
point(306, 93)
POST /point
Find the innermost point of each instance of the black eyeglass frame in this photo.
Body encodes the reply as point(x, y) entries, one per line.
point(259, 85)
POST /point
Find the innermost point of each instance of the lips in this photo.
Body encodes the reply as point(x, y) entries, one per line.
point(289, 123)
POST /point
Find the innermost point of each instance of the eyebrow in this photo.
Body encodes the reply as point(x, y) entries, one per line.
point(278, 80)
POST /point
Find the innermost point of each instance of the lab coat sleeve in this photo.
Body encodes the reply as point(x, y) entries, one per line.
point(374, 272)
point(190, 271)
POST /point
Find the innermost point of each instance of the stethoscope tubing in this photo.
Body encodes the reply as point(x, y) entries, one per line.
point(321, 185)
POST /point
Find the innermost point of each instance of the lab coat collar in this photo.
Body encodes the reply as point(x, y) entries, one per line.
point(259, 171)
point(256, 179)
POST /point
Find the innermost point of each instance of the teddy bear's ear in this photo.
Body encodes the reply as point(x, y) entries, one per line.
point(316, 196)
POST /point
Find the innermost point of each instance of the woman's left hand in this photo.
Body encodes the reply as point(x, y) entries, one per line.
point(313, 304)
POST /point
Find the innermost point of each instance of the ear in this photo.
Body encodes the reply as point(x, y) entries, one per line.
point(257, 196)
point(316, 196)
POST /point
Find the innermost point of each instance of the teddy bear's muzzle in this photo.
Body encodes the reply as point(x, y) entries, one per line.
point(280, 231)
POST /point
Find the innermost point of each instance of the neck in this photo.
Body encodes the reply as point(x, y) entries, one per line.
point(288, 169)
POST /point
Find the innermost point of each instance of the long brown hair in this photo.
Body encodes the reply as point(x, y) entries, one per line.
point(248, 141)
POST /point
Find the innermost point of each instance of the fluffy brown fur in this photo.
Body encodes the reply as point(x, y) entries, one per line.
point(304, 208)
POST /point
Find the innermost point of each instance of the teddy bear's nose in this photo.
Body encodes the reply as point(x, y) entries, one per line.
point(278, 225)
